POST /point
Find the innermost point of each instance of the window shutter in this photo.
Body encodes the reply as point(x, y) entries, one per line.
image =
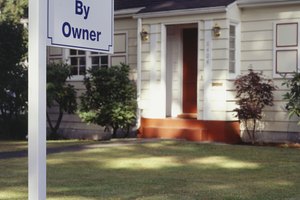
point(286, 48)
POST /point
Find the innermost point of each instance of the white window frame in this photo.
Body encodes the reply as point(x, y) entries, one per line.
point(99, 55)
point(78, 56)
point(237, 72)
point(292, 48)
point(89, 56)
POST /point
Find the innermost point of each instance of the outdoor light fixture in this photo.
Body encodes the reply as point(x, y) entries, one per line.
point(216, 30)
point(144, 35)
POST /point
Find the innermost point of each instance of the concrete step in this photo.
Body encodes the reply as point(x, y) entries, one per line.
point(191, 129)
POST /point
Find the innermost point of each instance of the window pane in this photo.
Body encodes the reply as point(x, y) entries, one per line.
point(286, 61)
point(73, 61)
point(104, 59)
point(232, 67)
point(232, 30)
point(232, 55)
point(82, 61)
point(116, 60)
point(74, 71)
point(232, 49)
point(120, 43)
point(78, 62)
point(287, 35)
point(232, 43)
point(95, 60)
point(73, 52)
point(81, 52)
point(82, 71)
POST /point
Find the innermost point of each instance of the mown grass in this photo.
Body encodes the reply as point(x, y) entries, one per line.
point(10, 146)
point(167, 170)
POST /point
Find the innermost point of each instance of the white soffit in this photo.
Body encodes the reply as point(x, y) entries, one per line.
point(182, 12)
point(127, 12)
point(259, 3)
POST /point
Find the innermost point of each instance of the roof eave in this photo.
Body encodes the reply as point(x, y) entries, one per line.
point(263, 3)
point(125, 13)
point(182, 12)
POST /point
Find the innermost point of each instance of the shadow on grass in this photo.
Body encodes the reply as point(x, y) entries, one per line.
point(176, 171)
point(165, 170)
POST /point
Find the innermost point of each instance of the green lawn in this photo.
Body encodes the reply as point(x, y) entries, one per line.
point(9, 146)
point(167, 170)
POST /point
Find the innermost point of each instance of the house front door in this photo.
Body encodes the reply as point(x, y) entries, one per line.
point(189, 80)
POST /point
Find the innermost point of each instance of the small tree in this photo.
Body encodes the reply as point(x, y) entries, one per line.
point(110, 98)
point(59, 93)
point(253, 94)
point(13, 10)
point(13, 80)
point(293, 96)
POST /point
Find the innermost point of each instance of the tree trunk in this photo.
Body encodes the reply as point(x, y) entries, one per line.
point(254, 131)
point(53, 133)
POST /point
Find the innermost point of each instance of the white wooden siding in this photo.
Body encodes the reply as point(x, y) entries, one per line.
point(257, 53)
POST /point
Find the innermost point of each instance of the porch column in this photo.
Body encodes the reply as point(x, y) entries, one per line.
point(139, 57)
point(207, 79)
point(139, 70)
point(163, 82)
point(157, 98)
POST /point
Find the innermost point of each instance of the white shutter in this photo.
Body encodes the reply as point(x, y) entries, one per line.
point(286, 48)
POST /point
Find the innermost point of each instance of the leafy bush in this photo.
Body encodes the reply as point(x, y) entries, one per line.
point(59, 93)
point(110, 98)
point(13, 80)
point(293, 96)
point(13, 10)
point(14, 128)
point(253, 94)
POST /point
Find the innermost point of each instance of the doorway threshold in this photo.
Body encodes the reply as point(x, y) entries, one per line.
point(187, 116)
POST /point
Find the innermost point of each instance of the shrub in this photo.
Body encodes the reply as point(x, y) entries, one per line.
point(110, 98)
point(293, 96)
point(13, 80)
point(59, 93)
point(253, 94)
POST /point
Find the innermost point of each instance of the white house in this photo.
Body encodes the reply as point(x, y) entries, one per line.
point(185, 56)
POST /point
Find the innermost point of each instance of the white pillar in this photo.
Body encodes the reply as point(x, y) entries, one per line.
point(163, 70)
point(139, 58)
point(37, 100)
point(207, 79)
point(139, 71)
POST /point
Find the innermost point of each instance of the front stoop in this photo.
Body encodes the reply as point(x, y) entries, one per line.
point(191, 129)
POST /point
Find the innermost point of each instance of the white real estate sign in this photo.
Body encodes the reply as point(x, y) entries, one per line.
point(81, 24)
point(77, 24)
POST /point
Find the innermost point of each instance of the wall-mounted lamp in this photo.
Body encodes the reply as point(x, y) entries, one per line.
point(144, 35)
point(216, 30)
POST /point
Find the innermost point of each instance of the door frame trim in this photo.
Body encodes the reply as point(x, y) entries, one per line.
point(187, 24)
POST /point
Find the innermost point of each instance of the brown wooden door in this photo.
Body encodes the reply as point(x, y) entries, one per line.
point(190, 46)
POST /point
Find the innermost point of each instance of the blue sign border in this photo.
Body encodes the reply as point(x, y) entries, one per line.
point(80, 47)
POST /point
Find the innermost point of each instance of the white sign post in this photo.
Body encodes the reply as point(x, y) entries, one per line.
point(37, 101)
point(76, 24)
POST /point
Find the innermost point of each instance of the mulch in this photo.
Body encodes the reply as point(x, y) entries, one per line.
point(279, 145)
